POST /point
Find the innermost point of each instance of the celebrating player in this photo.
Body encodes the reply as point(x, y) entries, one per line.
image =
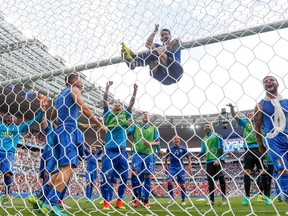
point(252, 156)
point(176, 154)
point(271, 115)
point(115, 159)
point(164, 60)
point(145, 138)
point(68, 138)
point(91, 170)
point(9, 136)
point(212, 146)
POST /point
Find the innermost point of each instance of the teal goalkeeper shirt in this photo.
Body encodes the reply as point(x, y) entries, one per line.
point(10, 135)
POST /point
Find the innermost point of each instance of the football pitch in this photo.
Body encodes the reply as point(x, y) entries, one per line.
point(194, 207)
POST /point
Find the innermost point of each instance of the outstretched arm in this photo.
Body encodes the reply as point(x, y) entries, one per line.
point(149, 42)
point(132, 101)
point(257, 127)
point(232, 111)
point(43, 105)
point(105, 98)
point(77, 97)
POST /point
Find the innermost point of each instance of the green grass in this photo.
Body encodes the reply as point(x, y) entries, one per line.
point(80, 207)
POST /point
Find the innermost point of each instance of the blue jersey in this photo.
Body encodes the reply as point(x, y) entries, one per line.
point(10, 135)
point(176, 54)
point(268, 115)
point(177, 155)
point(92, 159)
point(67, 109)
point(116, 137)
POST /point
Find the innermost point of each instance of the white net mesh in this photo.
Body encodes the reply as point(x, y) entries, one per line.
point(227, 48)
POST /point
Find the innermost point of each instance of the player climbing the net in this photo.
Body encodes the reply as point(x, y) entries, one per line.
point(164, 60)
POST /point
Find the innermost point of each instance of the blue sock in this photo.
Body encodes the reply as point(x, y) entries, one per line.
point(45, 191)
point(135, 185)
point(142, 192)
point(283, 182)
point(8, 182)
point(88, 192)
point(277, 187)
point(147, 188)
point(121, 188)
point(63, 194)
point(170, 190)
point(53, 197)
point(183, 193)
point(110, 192)
point(105, 190)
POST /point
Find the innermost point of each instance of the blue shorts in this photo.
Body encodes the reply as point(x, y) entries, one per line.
point(68, 146)
point(143, 163)
point(176, 172)
point(278, 151)
point(6, 162)
point(170, 74)
point(115, 164)
point(48, 163)
point(91, 176)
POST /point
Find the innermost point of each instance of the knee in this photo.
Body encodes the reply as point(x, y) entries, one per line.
point(247, 172)
point(147, 176)
point(169, 182)
point(135, 172)
point(7, 175)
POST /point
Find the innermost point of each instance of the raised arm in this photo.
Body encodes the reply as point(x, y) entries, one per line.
point(44, 122)
point(132, 101)
point(150, 40)
point(257, 127)
point(232, 111)
point(43, 106)
point(105, 98)
point(77, 97)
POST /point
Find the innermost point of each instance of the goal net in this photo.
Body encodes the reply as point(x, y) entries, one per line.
point(221, 51)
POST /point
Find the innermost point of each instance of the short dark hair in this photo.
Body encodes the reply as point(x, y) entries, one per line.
point(270, 76)
point(164, 29)
point(70, 77)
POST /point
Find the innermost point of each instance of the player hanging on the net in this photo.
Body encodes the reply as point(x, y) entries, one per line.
point(145, 138)
point(164, 60)
point(68, 138)
point(176, 154)
point(9, 136)
point(271, 114)
point(91, 170)
point(252, 156)
point(115, 159)
point(212, 146)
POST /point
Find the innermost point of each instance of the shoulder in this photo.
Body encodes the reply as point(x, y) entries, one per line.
point(75, 90)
